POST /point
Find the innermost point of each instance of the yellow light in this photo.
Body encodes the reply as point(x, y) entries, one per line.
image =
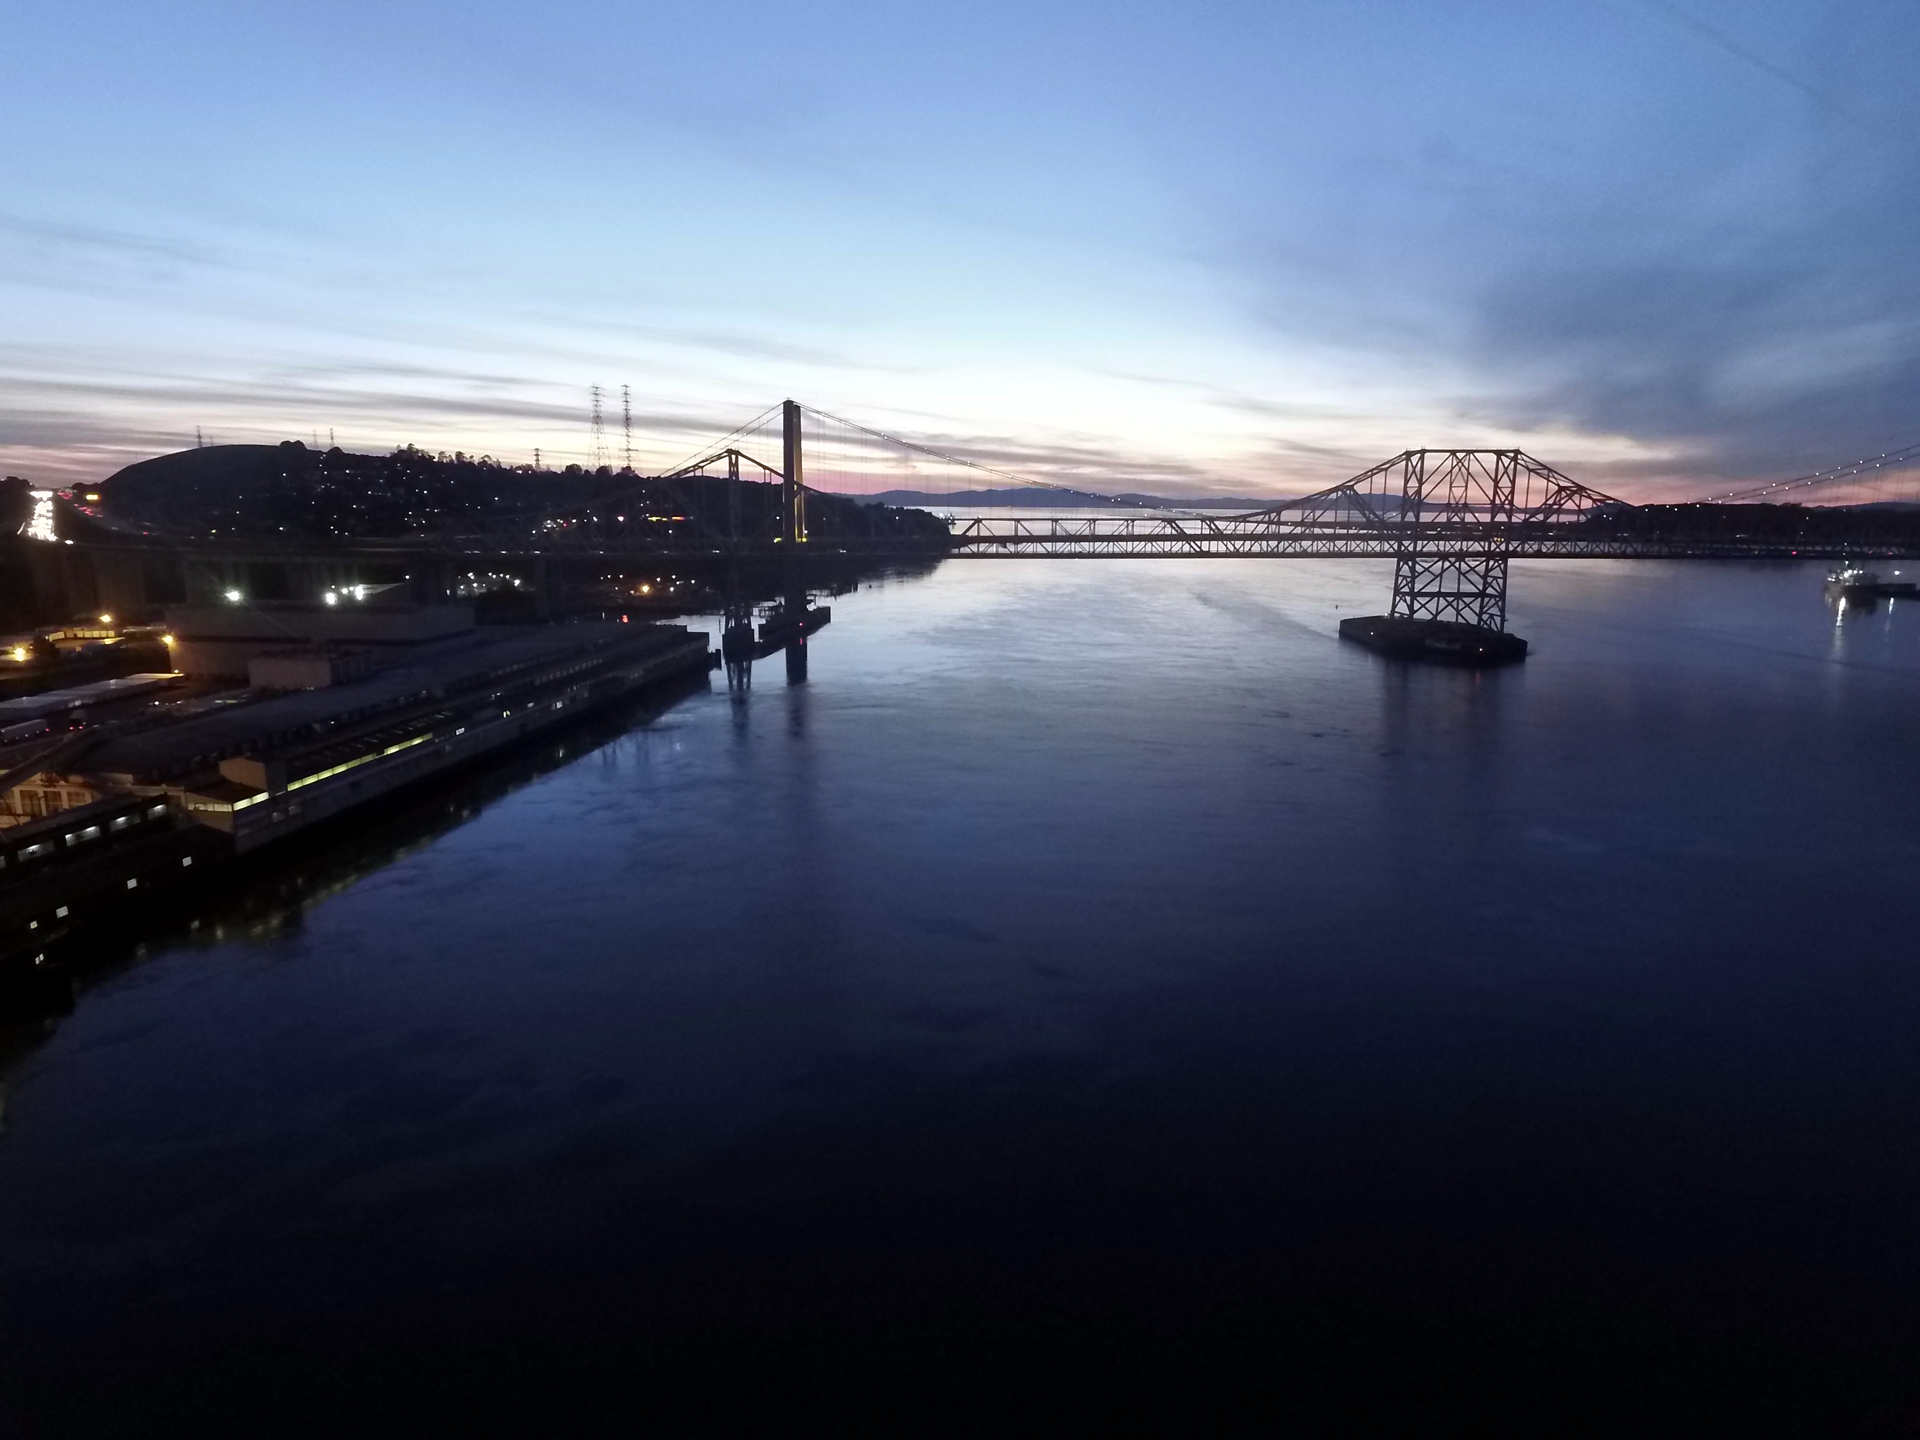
point(20, 653)
point(93, 498)
point(646, 589)
point(106, 619)
point(166, 639)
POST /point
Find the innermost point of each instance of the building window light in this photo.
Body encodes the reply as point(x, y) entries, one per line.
point(185, 860)
point(60, 913)
point(133, 884)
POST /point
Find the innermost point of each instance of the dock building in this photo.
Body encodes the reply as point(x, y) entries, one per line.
point(199, 784)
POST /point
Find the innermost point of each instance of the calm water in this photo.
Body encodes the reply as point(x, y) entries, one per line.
point(1097, 998)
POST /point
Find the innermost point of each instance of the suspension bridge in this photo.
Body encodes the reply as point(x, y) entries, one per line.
point(796, 487)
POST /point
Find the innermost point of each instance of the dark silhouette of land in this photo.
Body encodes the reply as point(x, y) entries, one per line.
point(291, 490)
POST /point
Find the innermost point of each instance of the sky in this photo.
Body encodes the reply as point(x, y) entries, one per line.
point(1251, 248)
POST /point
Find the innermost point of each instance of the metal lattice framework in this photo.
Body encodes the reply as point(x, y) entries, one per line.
point(1457, 509)
point(1450, 520)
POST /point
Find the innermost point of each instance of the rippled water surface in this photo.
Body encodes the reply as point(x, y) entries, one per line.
point(1098, 996)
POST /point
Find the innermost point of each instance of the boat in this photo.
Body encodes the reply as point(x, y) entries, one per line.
point(1851, 582)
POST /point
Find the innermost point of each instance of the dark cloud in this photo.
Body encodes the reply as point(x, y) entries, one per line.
point(1752, 361)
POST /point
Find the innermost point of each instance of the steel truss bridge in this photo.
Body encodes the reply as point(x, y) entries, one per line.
point(1450, 520)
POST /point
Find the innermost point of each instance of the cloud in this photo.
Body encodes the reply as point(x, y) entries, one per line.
point(69, 428)
point(1748, 361)
point(1085, 465)
point(69, 241)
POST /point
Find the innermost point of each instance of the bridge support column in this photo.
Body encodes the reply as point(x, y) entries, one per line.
point(542, 587)
point(793, 486)
point(1450, 526)
point(1440, 577)
point(119, 585)
point(1467, 587)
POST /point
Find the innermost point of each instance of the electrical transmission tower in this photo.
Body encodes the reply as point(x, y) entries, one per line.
point(626, 424)
point(597, 438)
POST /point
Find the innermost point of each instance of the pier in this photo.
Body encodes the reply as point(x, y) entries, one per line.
point(159, 798)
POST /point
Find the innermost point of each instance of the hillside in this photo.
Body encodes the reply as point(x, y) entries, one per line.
point(290, 490)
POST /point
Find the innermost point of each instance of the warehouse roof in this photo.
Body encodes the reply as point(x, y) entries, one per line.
point(428, 674)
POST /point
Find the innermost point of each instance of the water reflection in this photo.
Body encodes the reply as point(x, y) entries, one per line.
point(1088, 961)
point(267, 896)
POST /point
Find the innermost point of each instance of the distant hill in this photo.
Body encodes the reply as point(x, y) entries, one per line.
point(288, 489)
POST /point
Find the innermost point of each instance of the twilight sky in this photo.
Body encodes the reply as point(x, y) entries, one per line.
point(1662, 244)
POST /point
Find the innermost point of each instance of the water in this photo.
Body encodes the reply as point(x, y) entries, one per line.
point(1099, 997)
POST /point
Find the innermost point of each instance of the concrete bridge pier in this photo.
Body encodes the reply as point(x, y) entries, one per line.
point(120, 585)
point(431, 580)
point(63, 583)
point(543, 586)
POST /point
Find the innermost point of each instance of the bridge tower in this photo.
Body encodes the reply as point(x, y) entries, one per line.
point(793, 486)
point(1458, 574)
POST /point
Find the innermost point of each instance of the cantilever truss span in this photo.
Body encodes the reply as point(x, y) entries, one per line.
point(1450, 519)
